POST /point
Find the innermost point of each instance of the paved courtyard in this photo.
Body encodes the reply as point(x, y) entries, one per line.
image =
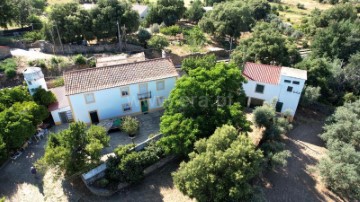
point(17, 184)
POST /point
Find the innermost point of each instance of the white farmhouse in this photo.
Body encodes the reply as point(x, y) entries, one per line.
point(100, 93)
point(142, 10)
point(268, 82)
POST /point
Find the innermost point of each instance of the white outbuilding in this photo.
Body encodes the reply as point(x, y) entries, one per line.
point(34, 79)
point(268, 82)
point(142, 10)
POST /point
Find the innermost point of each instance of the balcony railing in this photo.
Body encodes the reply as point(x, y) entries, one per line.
point(146, 95)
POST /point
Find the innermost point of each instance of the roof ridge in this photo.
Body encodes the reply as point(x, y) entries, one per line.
point(117, 65)
point(265, 65)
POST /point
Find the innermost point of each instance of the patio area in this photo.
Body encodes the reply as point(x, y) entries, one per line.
point(149, 125)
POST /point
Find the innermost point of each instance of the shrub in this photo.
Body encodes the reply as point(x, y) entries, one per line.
point(10, 73)
point(155, 28)
point(58, 82)
point(102, 182)
point(310, 95)
point(80, 60)
point(92, 63)
point(130, 125)
point(143, 35)
point(171, 30)
point(33, 36)
point(43, 97)
point(38, 63)
point(300, 6)
point(158, 42)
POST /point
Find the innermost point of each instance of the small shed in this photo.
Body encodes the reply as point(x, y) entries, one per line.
point(4, 52)
point(61, 110)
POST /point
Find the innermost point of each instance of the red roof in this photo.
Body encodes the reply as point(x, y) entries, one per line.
point(61, 98)
point(262, 73)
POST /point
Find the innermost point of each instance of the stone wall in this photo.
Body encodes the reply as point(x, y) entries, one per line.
point(68, 49)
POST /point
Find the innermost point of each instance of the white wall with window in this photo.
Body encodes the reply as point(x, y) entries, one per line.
point(120, 101)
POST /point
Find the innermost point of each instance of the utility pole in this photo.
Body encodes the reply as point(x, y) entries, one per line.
point(119, 35)
point(124, 34)
point(62, 47)
point(52, 37)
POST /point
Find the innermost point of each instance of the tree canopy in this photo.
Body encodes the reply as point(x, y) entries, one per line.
point(341, 169)
point(206, 98)
point(267, 45)
point(166, 11)
point(76, 148)
point(195, 12)
point(220, 168)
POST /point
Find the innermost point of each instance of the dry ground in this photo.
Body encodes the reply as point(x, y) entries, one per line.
point(299, 181)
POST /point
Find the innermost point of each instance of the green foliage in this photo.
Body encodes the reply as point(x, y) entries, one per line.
point(270, 144)
point(76, 148)
point(310, 95)
point(224, 164)
point(260, 8)
point(128, 165)
point(201, 101)
point(44, 97)
point(352, 74)
point(58, 82)
point(227, 19)
point(195, 38)
point(16, 127)
point(171, 30)
point(340, 171)
point(335, 14)
point(7, 9)
point(3, 151)
point(79, 60)
point(38, 112)
point(143, 35)
point(75, 23)
point(267, 45)
point(33, 36)
point(167, 11)
point(158, 42)
point(195, 12)
point(207, 62)
point(9, 96)
point(102, 182)
point(38, 63)
point(338, 40)
point(130, 125)
point(300, 6)
point(36, 23)
point(9, 66)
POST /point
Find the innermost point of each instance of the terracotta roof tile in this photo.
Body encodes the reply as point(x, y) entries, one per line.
point(99, 78)
point(62, 100)
point(262, 73)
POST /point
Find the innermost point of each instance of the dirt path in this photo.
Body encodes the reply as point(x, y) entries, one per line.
point(298, 181)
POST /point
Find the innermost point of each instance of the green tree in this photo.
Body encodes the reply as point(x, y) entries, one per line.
point(76, 148)
point(340, 170)
point(38, 112)
point(171, 30)
point(200, 102)
point(270, 144)
point(352, 73)
point(207, 62)
point(310, 95)
point(260, 8)
point(220, 168)
point(227, 19)
point(44, 97)
point(143, 35)
point(3, 150)
point(80, 59)
point(16, 128)
point(8, 14)
point(338, 40)
point(130, 125)
point(158, 42)
point(9, 96)
point(167, 11)
point(195, 12)
point(267, 45)
point(195, 38)
point(335, 14)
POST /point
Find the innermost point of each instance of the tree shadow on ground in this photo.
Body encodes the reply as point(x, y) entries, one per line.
point(15, 176)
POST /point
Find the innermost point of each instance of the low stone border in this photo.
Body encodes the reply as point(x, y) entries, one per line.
point(147, 171)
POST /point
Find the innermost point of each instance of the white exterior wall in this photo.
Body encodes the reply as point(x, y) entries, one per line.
point(144, 14)
point(108, 102)
point(270, 91)
point(55, 113)
point(290, 100)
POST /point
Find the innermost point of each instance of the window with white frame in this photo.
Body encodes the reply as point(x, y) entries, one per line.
point(160, 85)
point(160, 100)
point(89, 98)
point(124, 91)
point(126, 107)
